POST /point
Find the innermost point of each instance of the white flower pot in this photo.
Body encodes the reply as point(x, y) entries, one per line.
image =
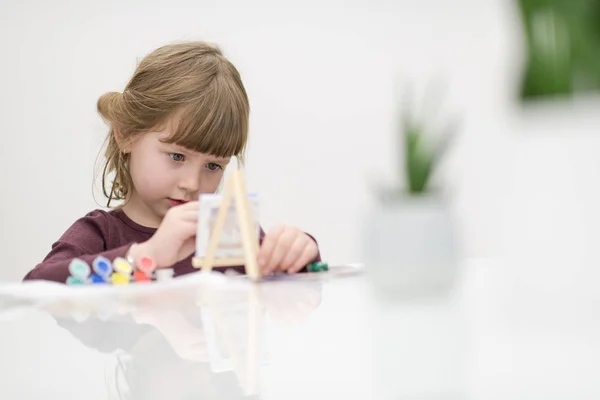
point(411, 247)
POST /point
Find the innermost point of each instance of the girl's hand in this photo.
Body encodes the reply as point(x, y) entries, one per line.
point(286, 249)
point(175, 238)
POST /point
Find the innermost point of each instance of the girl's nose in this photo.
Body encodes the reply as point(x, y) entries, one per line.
point(190, 183)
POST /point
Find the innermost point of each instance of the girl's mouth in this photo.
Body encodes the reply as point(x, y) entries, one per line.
point(176, 202)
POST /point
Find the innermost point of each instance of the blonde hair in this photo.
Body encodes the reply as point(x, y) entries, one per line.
point(192, 81)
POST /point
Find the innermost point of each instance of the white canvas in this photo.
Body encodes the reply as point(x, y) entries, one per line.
point(230, 244)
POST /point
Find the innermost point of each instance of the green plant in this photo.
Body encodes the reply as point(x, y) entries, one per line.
point(424, 145)
point(562, 42)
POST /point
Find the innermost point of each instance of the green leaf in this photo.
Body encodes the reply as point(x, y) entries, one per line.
point(419, 161)
point(421, 153)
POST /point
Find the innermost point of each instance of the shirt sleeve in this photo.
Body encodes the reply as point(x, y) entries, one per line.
point(85, 239)
point(318, 256)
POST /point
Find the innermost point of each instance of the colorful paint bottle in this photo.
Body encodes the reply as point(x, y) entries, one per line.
point(140, 276)
point(164, 274)
point(118, 278)
point(72, 280)
point(146, 265)
point(79, 269)
point(97, 279)
point(122, 266)
point(102, 267)
point(317, 267)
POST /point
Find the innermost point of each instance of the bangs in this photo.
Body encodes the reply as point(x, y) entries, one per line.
point(215, 122)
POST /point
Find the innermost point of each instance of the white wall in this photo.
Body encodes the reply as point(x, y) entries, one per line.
point(319, 75)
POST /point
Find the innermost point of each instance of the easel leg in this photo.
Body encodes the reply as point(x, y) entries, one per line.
point(215, 236)
point(247, 226)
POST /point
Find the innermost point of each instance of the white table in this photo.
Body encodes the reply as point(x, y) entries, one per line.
point(324, 340)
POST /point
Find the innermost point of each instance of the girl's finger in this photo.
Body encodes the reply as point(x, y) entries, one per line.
point(191, 215)
point(280, 250)
point(188, 228)
point(308, 254)
point(268, 245)
point(294, 252)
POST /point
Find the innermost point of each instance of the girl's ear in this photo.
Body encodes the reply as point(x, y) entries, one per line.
point(124, 144)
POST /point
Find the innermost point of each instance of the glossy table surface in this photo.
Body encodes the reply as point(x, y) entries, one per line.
point(217, 337)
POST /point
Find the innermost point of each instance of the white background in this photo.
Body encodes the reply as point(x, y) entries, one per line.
point(320, 76)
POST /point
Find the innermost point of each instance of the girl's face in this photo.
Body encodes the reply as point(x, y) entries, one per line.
point(166, 175)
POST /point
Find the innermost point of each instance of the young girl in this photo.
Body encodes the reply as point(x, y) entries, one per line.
point(173, 131)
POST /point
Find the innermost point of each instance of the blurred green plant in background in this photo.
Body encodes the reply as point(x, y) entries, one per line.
point(563, 47)
point(426, 140)
point(422, 154)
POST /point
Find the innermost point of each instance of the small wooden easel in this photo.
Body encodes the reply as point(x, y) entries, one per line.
point(246, 368)
point(235, 187)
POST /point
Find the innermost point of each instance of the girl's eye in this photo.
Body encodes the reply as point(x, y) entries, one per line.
point(177, 157)
point(213, 166)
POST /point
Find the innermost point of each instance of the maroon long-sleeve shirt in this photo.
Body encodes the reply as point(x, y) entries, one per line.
point(102, 233)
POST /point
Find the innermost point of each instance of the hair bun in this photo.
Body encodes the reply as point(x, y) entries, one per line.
point(107, 104)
